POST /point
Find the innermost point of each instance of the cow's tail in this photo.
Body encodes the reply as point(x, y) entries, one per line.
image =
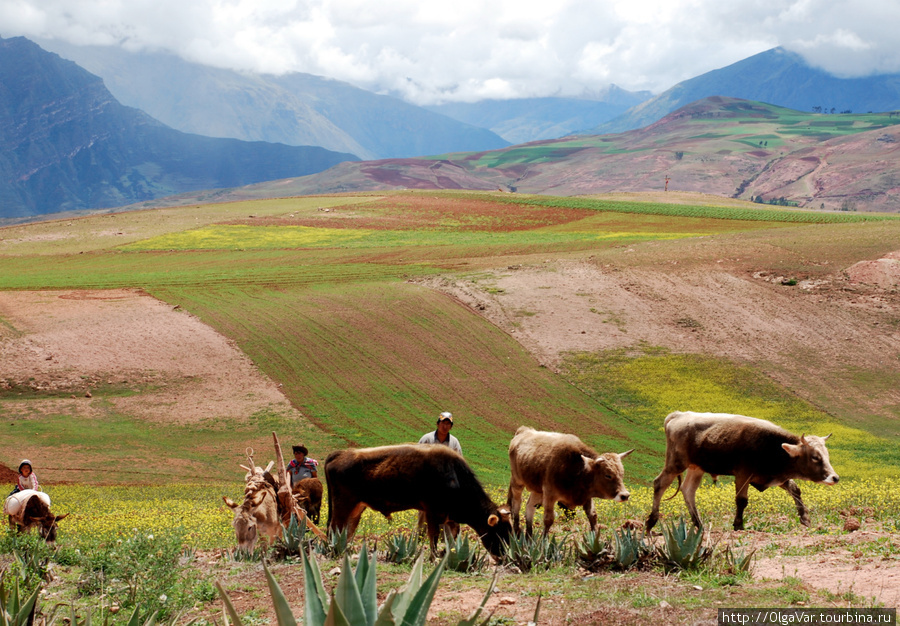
point(677, 489)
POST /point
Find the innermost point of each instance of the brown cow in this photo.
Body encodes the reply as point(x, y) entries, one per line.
point(29, 509)
point(756, 452)
point(308, 496)
point(429, 478)
point(257, 516)
point(556, 467)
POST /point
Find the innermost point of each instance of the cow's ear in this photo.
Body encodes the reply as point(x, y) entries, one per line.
point(229, 502)
point(792, 449)
point(624, 454)
point(588, 461)
point(493, 520)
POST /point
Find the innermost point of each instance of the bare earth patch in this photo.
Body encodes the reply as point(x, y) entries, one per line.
point(806, 334)
point(61, 344)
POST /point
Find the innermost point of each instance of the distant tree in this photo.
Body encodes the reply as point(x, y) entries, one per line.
point(817, 109)
point(679, 155)
point(832, 110)
point(846, 111)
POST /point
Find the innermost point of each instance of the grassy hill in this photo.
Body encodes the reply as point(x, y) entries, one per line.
point(334, 300)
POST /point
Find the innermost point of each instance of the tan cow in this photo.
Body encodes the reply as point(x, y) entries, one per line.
point(756, 452)
point(29, 509)
point(556, 467)
point(257, 517)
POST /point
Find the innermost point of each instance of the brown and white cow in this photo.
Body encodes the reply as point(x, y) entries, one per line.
point(308, 496)
point(430, 478)
point(557, 467)
point(29, 509)
point(756, 452)
point(257, 517)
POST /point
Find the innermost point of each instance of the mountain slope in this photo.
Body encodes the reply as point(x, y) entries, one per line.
point(533, 119)
point(723, 146)
point(296, 109)
point(776, 76)
point(67, 144)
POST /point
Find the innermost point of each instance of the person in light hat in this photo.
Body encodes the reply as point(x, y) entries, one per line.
point(442, 434)
point(27, 479)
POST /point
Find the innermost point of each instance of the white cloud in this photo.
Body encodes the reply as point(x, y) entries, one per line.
point(470, 49)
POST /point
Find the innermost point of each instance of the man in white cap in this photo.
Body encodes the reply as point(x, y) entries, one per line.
point(442, 433)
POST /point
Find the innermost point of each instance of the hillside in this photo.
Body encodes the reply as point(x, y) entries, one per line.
point(295, 109)
point(722, 146)
point(67, 144)
point(775, 76)
point(367, 315)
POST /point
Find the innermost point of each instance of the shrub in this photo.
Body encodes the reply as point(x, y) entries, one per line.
point(462, 556)
point(400, 547)
point(529, 552)
point(591, 552)
point(629, 548)
point(683, 547)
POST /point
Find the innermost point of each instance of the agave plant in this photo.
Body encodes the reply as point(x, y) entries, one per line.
point(400, 547)
point(529, 552)
point(591, 551)
point(335, 546)
point(683, 546)
point(354, 601)
point(629, 548)
point(462, 556)
point(738, 561)
point(15, 609)
point(293, 540)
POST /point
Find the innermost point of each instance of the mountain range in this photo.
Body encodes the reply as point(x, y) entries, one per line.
point(295, 108)
point(776, 76)
point(66, 144)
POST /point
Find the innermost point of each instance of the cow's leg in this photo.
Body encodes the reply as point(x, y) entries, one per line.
point(692, 481)
point(741, 489)
point(591, 513)
point(435, 523)
point(792, 488)
point(660, 484)
point(514, 501)
point(549, 503)
point(533, 499)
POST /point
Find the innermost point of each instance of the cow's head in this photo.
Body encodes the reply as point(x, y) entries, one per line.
point(47, 526)
point(244, 524)
point(810, 458)
point(608, 476)
point(499, 528)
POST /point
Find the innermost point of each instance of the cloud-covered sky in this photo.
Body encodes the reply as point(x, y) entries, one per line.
point(431, 51)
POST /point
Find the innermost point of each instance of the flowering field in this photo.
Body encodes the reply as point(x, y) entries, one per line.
point(103, 514)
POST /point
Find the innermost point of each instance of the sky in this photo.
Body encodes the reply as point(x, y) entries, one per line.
point(429, 52)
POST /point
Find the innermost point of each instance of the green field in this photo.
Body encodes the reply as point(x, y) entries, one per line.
point(327, 312)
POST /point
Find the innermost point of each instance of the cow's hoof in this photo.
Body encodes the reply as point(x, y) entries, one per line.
point(804, 521)
point(739, 526)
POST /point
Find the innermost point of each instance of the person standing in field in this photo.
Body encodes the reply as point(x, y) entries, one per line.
point(302, 466)
point(441, 434)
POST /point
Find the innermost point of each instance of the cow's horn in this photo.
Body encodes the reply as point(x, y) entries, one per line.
point(624, 454)
point(825, 438)
point(803, 439)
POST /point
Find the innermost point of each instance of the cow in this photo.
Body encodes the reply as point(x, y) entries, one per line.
point(257, 517)
point(308, 496)
point(755, 451)
point(556, 467)
point(430, 478)
point(29, 509)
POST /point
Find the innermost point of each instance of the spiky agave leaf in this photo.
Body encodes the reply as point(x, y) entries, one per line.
point(283, 612)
